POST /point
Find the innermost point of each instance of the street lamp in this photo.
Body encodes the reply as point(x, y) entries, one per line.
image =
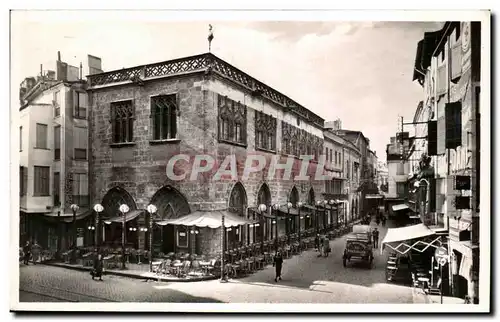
point(299, 204)
point(276, 208)
point(262, 209)
point(288, 206)
point(123, 209)
point(151, 210)
point(423, 203)
point(332, 202)
point(316, 219)
point(98, 208)
point(74, 208)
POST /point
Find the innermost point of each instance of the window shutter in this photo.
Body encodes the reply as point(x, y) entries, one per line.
point(453, 116)
point(441, 80)
point(441, 134)
point(432, 136)
point(456, 61)
point(432, 195)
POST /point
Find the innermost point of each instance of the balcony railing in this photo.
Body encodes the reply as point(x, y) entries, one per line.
point(203, 62)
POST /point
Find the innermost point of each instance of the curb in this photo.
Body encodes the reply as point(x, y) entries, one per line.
point(131, 275)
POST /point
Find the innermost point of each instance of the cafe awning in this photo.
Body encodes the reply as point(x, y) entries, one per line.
point(292, 211)
point(374, 197)
point(400, 207)
point(404, 239)
point(82, 213)
point(132, 214)
point(208, 218)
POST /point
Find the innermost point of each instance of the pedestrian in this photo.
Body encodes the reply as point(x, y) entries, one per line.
point(326, 246)
point(321, 249)
point(278, 263)
point(27, 252)
point(97, 268)
point(375, 238)
point(383, 220)
point(316, 242)
point(35, 252)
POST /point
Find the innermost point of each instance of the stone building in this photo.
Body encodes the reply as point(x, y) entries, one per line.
point(367, 183)
point(343, 166)
point(206, 109)
point(447, 66)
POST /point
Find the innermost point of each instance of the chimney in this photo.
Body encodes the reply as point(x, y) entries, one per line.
point(58, 56)
point(81, 71)
point(337, 124)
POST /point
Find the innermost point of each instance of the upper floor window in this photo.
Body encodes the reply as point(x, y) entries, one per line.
point(265, 131)
point(335, 157)
point(326, 152)
point(57, 103)
point(23, 181)
point(80, 105)
point(232, 121)
point(81, 189)
point(57, 189)
point(122, 118)
point(331, 154)
point(57, 142)
point(80, 143)
point(164, 115)
point(42, 181)
point(41, 136)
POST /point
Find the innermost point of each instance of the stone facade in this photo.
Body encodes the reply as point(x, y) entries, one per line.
point(140, 167)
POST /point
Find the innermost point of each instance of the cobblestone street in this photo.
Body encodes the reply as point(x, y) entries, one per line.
point(307, 278)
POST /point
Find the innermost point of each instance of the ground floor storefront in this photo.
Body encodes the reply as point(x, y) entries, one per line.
point(465, 269)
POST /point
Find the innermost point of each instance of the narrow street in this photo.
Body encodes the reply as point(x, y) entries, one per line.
point(307, 278)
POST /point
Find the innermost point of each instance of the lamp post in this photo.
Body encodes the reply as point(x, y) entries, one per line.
point(332, 202)
point(74, 208)
point(288, 206)
point(262, 210)
point(316, 219)
point(419, 184)
point(276, 207)
point(98, 208)
point(91, 229)
point(299, 204)
point(123, 209)
point(151, 210)
point(325, 203)
point(222, 275)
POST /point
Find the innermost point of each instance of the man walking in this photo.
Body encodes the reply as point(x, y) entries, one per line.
point(27, 253)
point(277, 263)
point(375, 238)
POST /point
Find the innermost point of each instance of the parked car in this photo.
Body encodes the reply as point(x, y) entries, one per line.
point(358, 247)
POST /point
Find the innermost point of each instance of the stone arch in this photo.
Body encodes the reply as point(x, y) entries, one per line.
point(237, 199)
point(294, 196)
point(170, 204)
point(112, 200)
point(311, 199)
point(264, 195)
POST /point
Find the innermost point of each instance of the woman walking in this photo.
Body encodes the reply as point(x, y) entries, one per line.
point(326, 246)
point(27, 253)
point(97, 269)
point(277, 263)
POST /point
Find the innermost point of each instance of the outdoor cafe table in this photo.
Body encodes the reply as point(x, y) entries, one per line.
point(205, 266)
point(177, 267)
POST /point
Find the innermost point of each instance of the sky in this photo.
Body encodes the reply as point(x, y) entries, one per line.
point(357, 71)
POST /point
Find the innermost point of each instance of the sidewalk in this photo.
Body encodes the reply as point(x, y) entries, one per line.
point(420, 297)
point(134, 271)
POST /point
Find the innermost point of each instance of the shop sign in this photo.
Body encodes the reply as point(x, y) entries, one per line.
point(441, 253)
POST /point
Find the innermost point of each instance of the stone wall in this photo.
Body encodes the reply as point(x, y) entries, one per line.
point(140, 168)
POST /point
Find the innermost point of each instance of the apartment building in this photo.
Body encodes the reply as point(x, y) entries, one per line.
point(53, 149)
point(448, 68)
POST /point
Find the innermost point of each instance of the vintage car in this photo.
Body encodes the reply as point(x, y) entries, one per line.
point(358, 246)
